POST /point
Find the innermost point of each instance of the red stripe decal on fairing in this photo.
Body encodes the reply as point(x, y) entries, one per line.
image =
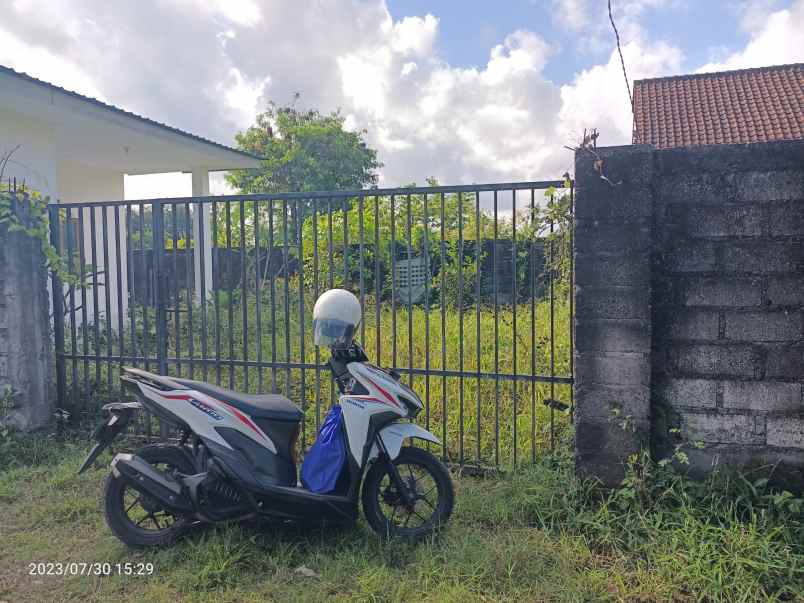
point(384, 393)
point(243, 418)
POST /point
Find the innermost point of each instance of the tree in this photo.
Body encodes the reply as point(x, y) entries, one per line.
point(304, 151)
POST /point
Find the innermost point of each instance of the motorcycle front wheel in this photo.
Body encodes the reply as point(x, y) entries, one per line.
point(429, 484)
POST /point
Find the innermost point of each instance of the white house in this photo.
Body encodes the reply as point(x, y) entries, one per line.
point(75, 149)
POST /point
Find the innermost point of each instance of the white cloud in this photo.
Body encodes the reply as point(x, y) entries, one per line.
point(571, 13)
point(208, 67)
point(409, 68)
point(589, 21)
point(242, 12)
point(210, 73)
point(521, 52)
point(243, 96)
point(776, 38)
point(451, 123)
point(598, 98)
point(414, 35)
point(45, 65)
point(753, 13)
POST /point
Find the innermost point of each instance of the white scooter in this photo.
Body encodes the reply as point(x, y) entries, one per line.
point(236, 458)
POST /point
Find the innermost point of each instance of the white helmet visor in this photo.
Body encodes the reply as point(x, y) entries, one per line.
point(332, 332)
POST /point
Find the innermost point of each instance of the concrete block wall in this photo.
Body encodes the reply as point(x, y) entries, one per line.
point(723, 276)
point(26, 356)
point(728, 305)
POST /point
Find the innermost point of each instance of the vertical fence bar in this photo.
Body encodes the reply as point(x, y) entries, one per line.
point(218, 274)
point(361, 235)
point(273, 293)
point(377, 283)
point(202, 270)
point(175, 285)
point(157, 214)
point(229, 291)
point(393, 281)
point(71, 235)
point(444, 412)
point(58, 307)
point(427, 313)
point(302, 356)
point(330, 244)
point(286, 254)
point(149, 292)
point(478, 277)
point(552, 337)
point(330, 270)
point(84, 319)
point(410, 292)
point(118, 265)
point(258, 293)
point(346, 275)
point(244, 292)
point(495, 287)
point(315, 290)
point(107, 296)
point(191, 284)
point(158, 230)
point(460, 329)
point(132, 298)
point(144, 306)
point(514, 302)
point(533, 325)
point(93, 245)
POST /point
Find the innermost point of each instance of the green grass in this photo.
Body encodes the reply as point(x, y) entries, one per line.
point(537, 534)
point(484, 421)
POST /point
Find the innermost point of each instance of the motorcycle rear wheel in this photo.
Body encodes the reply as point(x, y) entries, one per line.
point(429, 483)
point(135, 519)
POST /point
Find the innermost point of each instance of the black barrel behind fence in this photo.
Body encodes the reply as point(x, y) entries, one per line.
point(466, 292)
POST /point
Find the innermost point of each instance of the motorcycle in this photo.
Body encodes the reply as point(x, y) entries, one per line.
point(236, 458)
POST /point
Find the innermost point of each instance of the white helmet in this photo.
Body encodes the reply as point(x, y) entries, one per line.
point(336, 316)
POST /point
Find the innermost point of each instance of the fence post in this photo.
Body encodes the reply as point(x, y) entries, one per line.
point(612, 355)
point(26, 358)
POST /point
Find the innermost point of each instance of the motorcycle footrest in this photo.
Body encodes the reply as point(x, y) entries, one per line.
point(147, 479)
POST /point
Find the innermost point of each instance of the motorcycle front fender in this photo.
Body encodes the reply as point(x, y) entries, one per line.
point(395, 434)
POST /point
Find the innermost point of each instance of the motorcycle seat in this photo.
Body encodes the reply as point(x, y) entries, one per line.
point(259, 406)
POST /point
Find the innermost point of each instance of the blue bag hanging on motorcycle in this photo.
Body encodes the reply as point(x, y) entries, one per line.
point(324, 461)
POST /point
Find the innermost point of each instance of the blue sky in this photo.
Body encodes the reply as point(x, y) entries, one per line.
point(706, 30)
point(463, 91)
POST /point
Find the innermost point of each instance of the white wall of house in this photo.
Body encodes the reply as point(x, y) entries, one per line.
point(33, 160)
point(81, 183)
point(34, 163)
point(74, 149)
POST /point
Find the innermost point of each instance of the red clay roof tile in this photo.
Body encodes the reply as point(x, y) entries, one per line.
point(729, 107)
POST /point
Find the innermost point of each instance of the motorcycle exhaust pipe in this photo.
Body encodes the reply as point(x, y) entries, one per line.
point(145, 478)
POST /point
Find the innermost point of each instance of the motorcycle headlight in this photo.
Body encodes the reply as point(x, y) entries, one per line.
point(413, 408)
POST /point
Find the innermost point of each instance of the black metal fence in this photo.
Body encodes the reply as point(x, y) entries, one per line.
point(466, 292)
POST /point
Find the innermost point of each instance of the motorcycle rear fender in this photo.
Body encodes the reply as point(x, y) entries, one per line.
point(394, 434)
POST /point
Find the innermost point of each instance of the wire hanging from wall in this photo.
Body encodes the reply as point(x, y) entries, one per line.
point(625, 73)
